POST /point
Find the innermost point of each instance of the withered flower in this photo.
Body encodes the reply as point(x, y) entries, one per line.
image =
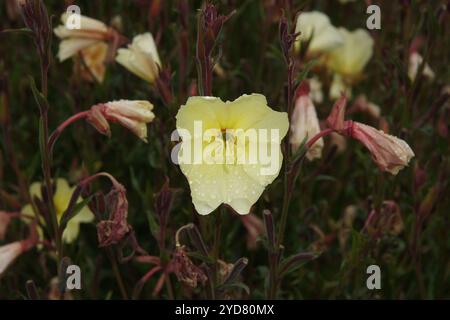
point(113, 230)
point(185, 270)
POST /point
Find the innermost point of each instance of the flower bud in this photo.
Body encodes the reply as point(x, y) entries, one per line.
point(132, 114)
point(141, 57)
point(305, 123)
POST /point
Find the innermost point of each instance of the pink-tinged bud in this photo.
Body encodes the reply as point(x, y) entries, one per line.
point(386, 220)
point(337, 115)
point(5, 218)
point(9, 253)
point(255, 228)
point(389, 153)
point(134, 115)
point(97, 120)
point(363, 105)
point(304, 123)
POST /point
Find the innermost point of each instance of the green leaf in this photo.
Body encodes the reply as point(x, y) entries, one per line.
point(69, 214)
point(296, 261)
point(152, 223)
point(38, 96)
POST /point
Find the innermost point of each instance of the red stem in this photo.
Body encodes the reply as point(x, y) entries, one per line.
point(55, 135)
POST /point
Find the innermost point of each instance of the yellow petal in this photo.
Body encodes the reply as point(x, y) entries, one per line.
point(351, 58)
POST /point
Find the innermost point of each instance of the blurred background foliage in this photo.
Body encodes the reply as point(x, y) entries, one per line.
point(251, 60)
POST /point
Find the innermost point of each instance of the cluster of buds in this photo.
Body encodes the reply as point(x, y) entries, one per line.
point(35, 17)
point(210, 24)
point(386, 220)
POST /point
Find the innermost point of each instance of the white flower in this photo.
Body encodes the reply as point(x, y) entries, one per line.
point(315, 24)
point(141, 57)
point(74, 40)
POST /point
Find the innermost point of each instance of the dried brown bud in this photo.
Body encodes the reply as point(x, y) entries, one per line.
point(113, 230)
point(185, 270)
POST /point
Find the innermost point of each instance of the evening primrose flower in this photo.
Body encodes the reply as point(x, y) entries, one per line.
point(351, 57)
point(348, 60)
point(92, 31)
point(317, 25)
point(141, 57)
point(61, 199)
point(132, 114)
point(230, 151)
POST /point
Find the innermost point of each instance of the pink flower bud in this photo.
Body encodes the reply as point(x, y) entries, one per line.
point(133, 115)
point(305, 123)
point(389, 153)
point(337, 115)
point(9, 253)
point(97, 120)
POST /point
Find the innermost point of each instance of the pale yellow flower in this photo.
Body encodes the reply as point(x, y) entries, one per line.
point(226, 133)
point(317, 25)
point(73, 41)
point(61, 199)
point(349, 59)
point(141, 57)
